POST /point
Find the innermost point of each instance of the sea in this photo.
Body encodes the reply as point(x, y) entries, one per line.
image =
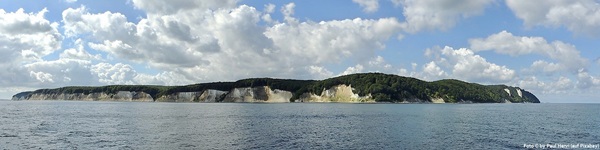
point(146, 125)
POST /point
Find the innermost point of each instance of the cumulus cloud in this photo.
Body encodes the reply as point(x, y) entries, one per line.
point(217, 38)
point(60, 72)
point(29, 37)
point(431, 71)
point(25, 38)
point(464, 64)
point(439, 14)
point(288, 12)
point(563, 66)
point(79, 52)
point(114, 74)
point(160, 7)
point(319, 72)
point(163, 78)
point(567, 56)
point(106, 25)
point(269, 8)
point(560, 85)
point(368, 6)
point(579, 16)
point(585, 80)
point(355, 69)
point(138, 43)
point(375, 64)
point(333, 40)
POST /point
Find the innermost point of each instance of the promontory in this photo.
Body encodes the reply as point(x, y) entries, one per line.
point(360, 88)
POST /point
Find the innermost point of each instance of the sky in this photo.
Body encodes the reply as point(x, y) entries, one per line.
point(548, 47)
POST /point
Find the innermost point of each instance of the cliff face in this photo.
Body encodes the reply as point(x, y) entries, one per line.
point(257, 94)
point(340, 93)
point(203, 96)
point(119, 96)
point(248, 94)
point(21, 96)
point(361, 88)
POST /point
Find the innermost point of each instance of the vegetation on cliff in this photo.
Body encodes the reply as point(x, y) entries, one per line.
point(383, 88)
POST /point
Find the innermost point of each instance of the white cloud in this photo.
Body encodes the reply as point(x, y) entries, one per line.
point(380, 63)
point(585, 80)
point(70, 1)
point(319, 72)
point(560, 85)
point(368, 6)
point(333, 40)
point(546, 67)
point(137, 43)
point(42, 76)
point(356, 69)
point(288, 12)
point(60, 72)
point(114, 74)
point(579, 16)
point(215, 41)
point(19, 22)
point(161, 7)
point(397, 2)
point(28, 35)
point(432, 71)
point(102, 26)
point(375, 64)
point(439, 14)
point(567, 56)
point(163, 78)
point(79, 52)
point(269, 8)
point(466, 65)
point(26, 38)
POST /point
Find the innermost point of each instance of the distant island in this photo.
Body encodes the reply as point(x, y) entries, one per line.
point(359, 88)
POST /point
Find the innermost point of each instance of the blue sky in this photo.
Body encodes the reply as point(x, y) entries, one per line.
point(547, 47)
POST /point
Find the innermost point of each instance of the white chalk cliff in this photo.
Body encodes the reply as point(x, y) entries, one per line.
point(119, 96)
point(204, 96)
point(257, 94)
point(340, 93)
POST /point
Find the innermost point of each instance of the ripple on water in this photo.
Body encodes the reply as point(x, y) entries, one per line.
point(100, 125)
point(6, 135)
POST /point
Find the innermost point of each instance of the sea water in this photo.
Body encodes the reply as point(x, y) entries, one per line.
point(130, 125)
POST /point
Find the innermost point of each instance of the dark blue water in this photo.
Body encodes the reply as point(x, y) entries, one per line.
point(116, 125)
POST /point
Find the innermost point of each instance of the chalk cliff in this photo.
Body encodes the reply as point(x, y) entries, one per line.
point(201, 96)
point(355, 88)
point(119, 96)
point(339, 93)
point(257, 94)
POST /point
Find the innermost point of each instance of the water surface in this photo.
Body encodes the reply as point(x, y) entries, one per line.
point(123, 125)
